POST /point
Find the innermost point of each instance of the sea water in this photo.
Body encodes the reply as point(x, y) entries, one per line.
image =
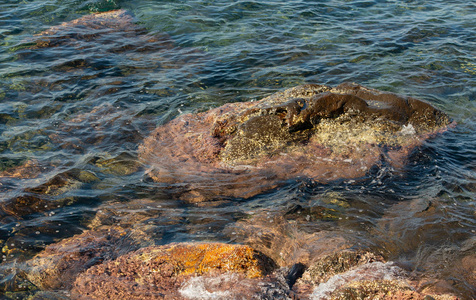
point(77, 117)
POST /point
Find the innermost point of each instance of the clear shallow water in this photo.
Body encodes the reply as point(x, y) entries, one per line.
point(79, 116)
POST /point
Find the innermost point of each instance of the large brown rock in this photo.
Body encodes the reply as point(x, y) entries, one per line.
point(315, 131)
point(174, 271)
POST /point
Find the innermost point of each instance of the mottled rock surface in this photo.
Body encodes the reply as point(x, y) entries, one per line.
point(160, 272)
point(330, 265)
point(100, 265)
point(58, 265)
point(383, 289)
point(358, 275)
point(314, 131)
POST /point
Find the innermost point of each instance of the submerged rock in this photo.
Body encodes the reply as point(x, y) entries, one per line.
point(314, 131)
point(104, 264)
point(28, 170)
point(43, 194)
point(58, 265)
point(103, 125)
point(283, 240)
point(104, 27)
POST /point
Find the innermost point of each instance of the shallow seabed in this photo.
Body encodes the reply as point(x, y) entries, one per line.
point(71, 121)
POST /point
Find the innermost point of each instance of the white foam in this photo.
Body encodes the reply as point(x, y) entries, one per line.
point(196, 288)
point(408, 130)
point(369, 271)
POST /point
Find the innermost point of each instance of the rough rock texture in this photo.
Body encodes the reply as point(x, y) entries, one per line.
point(383, 289)
point(358, 275)
point(102, 264)
point(58, 265)
point(340, 262)
point(328, 266)
point(315, 131)
point(159, 272)
point(45, 295)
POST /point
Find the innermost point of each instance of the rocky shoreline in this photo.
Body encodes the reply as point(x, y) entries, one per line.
point(235, 151)
point(84, 267)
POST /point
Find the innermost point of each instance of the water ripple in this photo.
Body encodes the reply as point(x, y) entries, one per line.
point(73, 115)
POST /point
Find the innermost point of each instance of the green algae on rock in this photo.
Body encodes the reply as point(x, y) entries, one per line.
point(314, 131)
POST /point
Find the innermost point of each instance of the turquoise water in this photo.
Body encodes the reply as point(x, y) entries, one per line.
point(80, 114)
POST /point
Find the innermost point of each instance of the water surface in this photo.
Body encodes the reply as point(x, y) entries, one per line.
point(77, 115)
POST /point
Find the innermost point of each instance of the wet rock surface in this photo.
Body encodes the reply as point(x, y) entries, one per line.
point(238, 150)
point(383, 289)
point(160, 272)
point(116, 258)
point(358, 274)
point(58, 265)
point(332, 265)
point(328, 266)
point(314, 131)
point(222, 271)
point(283, 241)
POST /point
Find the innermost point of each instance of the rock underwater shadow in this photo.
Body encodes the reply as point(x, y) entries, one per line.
point(313, 131)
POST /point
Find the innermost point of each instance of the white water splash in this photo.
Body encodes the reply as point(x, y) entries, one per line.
point(196, 288)
point(369, 271)
point(408, 130)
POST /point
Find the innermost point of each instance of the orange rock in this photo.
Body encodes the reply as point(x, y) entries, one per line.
point(158, 272)
point(203, 258)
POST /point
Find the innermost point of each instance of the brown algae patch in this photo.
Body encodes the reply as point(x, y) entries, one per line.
point(314, 131)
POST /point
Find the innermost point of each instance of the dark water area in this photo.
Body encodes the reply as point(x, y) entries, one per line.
point(76, 104)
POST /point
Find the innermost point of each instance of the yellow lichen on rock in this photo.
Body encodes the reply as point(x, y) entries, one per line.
point(198, 259)
point(158, 272)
